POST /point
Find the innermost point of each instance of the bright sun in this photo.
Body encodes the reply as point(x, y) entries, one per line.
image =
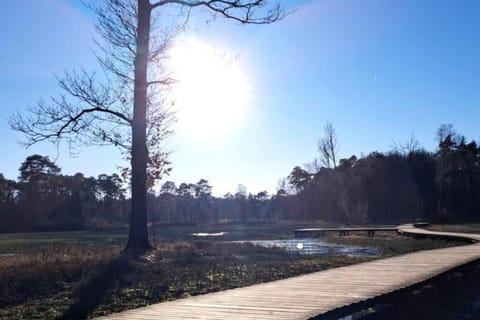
point(211, 92)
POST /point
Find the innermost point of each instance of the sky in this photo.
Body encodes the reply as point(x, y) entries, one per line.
point(378, 70)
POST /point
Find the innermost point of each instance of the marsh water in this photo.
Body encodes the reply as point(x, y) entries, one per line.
point(307, 246)
point(315, 246)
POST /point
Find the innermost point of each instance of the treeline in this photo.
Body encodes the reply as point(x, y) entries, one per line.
point(405, 184)
point(193, 203)
point(44, 199)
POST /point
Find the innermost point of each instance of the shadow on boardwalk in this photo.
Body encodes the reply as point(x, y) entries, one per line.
point(452, 295)
point(100, 287)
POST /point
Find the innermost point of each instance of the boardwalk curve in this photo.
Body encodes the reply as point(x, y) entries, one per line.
point(311, 295)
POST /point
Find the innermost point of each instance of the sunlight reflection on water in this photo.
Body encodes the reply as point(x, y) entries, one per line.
point(208, 234)
point(316, 246)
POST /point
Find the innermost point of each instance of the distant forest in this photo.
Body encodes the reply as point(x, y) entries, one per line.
point(405, 184)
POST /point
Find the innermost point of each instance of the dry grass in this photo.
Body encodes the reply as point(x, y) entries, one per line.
point(392, 244)
point(79, 282)
point(466, 228)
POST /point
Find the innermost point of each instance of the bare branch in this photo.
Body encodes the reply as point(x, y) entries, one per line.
point(328, 146)
point(242, 11)
point(84, 89)
point(164, 82)
point(408, 147)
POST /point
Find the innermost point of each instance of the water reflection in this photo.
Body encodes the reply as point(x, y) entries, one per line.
point(209, 234)
point(316, 246)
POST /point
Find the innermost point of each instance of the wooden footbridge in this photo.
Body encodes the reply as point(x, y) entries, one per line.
point(320, 232)
point(319, 293)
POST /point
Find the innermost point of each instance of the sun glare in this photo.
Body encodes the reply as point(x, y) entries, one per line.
point(211, 92)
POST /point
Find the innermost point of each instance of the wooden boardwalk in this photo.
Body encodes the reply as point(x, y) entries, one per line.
point(314, 294)
point(320, 232)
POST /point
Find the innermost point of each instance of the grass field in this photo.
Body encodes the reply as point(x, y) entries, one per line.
point(73, 275)
point(15, 243)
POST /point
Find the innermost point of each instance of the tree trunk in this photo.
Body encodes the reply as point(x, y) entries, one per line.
point(138, 235)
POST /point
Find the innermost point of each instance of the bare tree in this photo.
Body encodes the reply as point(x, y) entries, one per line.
point(447, 135)
point(408, 147)
point(313, 166)
point(128, 109)
point(328, 146)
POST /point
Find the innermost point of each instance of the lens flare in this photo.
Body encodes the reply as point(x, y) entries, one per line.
point(211, 93)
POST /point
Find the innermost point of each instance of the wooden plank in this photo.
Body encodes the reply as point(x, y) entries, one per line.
point(313, 294)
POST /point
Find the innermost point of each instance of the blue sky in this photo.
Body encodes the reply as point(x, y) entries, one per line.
point(378, 70)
